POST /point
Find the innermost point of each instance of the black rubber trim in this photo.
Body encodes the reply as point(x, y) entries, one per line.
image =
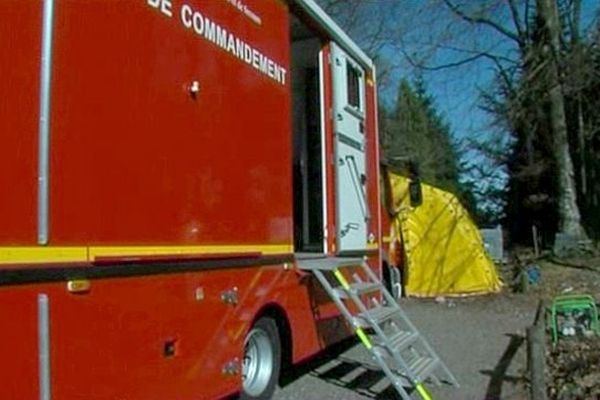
point(27, 275)
point(358, 253)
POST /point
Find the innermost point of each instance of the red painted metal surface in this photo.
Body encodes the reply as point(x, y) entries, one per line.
point(373, 189)
point(109, 343)
point(19, 343)
point(136, 159)
point(386, 226)
point(20, 36)
point(329, 148)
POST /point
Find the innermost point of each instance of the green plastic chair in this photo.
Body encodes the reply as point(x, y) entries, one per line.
point(570, 304)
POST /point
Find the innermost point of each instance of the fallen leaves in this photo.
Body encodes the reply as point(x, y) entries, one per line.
point(573, 369)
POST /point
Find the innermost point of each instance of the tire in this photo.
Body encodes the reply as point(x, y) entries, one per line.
point(261, 362)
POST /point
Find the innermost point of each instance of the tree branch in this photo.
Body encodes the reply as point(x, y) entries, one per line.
point(483, 21)
point(516, 18)
point(470, 51)
point(476, 56)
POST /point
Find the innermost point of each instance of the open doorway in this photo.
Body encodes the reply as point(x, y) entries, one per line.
point(307, 138)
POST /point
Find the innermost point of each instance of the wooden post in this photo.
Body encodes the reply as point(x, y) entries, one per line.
point(536, 248)
point(536, 355)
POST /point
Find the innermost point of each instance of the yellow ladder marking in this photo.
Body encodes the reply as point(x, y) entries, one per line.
point(359, 331)
point(365, 339)
point(423, 392)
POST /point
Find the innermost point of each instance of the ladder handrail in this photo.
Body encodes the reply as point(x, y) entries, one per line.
point(403, 361)
point(394, 303)
point(373, 324)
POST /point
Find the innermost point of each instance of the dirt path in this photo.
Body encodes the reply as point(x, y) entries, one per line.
point(481, 340)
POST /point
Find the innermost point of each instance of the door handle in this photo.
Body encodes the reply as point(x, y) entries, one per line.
point(359, 179)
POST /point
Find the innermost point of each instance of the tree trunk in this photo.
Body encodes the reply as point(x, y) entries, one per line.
point(582, 149)
point(570, 218)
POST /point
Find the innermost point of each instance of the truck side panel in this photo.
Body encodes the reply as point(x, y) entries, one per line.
point(20, 37)
point(135, 158)
point(18, 343)
point(109, 342)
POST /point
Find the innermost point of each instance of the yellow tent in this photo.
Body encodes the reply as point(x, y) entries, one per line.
point(445, 254)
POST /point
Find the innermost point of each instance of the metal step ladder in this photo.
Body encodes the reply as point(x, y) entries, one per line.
point(395, 344)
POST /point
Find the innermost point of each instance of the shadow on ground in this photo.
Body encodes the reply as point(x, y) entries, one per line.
point(498, 376)
point(333, 367)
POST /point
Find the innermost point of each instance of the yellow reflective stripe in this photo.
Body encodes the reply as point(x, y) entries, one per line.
point(23, 255)
point(341, 279)
point(423, 392)
point(119, 251)
point(359, 331)
point(364, 338)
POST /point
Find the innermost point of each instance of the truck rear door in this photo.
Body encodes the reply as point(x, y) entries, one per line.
point(349, 113)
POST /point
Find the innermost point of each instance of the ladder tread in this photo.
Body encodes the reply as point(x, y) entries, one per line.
point(379, 314)
point(423, 366)
point(328, 263)
point(400, 340)
point(391, 333)
point(359, 288)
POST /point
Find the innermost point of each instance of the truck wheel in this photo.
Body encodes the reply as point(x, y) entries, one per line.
point(262, 361)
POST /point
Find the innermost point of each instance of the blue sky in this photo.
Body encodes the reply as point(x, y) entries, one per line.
point(427, 31)
point(456, 91)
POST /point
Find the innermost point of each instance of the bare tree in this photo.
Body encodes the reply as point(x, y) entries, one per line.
point(570, 218)
point(376, 26)
point(534, 72)
point(528, 43)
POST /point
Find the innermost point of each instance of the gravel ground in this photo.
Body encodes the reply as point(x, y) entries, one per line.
point(480, 339)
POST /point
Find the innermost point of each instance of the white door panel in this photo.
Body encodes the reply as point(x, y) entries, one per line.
point(349, 121)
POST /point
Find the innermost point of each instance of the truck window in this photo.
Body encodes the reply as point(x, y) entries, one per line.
point(353, 76)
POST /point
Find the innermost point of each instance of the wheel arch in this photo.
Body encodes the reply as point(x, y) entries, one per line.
point(279, 315)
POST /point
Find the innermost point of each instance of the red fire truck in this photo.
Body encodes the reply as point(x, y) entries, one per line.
point(164, 166)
